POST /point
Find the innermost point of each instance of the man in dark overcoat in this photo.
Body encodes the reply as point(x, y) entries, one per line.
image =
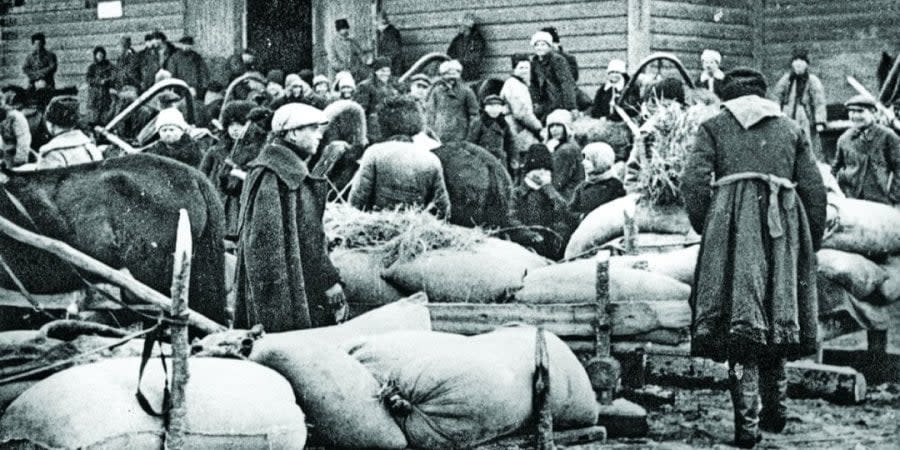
point(285, 279)
point(752, 189)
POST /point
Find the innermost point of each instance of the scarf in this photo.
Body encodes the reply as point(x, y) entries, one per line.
point(596, 176)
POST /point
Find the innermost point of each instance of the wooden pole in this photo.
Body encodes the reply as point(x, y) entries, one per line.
point(116, 277)
point(181, 277)
point(543, 439)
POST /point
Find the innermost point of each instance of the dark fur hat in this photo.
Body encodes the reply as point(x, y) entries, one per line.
point(62, 112)
point(669, 89)
point(743, 81)
point(519, 57)
point(236, 112)
point(400, 115)
point(800, 53)
point(38, 37)
point(553, 33)
point(346, 122)
point(538, 157)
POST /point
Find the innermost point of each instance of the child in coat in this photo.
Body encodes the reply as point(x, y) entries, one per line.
point(174, 141)
point(491, 132)
point(600, 184)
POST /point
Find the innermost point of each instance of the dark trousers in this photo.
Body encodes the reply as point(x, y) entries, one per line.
point(758, 391)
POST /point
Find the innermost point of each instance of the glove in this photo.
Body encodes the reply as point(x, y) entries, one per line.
point(338, 303)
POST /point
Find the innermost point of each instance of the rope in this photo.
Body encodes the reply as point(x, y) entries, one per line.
point(72, 359)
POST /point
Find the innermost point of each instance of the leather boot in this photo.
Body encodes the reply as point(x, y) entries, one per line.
point(773, 391)
point(744, 386)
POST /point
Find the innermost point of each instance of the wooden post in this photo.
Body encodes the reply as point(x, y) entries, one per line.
point(116, 277)
point(630, 232)
point(602, 304)
point(603, 369)
point(543, 410)
point(181, 349)
point(638, 31)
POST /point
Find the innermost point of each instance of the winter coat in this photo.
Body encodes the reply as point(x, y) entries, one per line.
point(15, 138)
point(372, 92)
point(552, 85)
point(154, 59)
point(397, 173)
point(607, 96)
point(717, 82)
point(469, 48)
point(130, 127)
point(451, 110)
point(543, 207)
point(867, 164)
point(571, 60)
point(101, 77)
point(185, 150)
point(807, 108)
point(517, 95)
point(592, 193)
point(283, 268)
point(761, 221)
point(189, 66)
point(390, 45)
point(218, 163)
point(346, 54)
point(495, 136)
point(67, 149)
point(479, 187)
point(128, 69)
point(235, 67)
point(568, 172)
point(40, 65)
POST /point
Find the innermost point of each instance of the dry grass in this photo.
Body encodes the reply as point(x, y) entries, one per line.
point(399, 235)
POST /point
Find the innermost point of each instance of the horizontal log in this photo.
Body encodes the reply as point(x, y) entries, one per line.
point(485, 11)
point(168, 19)
point(680, 10)
point(425, 30)
point(81, 15)
point(673, 366)
point(593, 435)
point(60, 302)
point(700, 28)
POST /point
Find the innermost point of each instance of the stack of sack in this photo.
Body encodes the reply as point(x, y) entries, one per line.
point(381, 380)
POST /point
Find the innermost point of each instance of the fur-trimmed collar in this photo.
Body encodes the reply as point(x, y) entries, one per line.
point(752, 109)
point(284, 162)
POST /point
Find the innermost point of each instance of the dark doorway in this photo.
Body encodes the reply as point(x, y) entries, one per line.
point(280, 32)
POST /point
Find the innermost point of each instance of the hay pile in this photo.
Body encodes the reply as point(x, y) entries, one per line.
point(398, 235)
point(669, 136)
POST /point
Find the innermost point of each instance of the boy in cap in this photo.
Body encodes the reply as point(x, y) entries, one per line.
point(378, 87)
point(492, 132)
point(419, 85)
point(345, 53)
point(802, 98)
point(69, 145)
point(867, 163)
point(174, 141)
point(285, 279)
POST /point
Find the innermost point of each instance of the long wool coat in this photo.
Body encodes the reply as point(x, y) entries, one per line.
point(755, 284)
point(451, 110)
point(807, 108)
point(552, 85)
point(283, 268)
point(100, 78)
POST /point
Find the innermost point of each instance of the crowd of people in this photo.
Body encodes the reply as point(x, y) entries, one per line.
point(277, 126)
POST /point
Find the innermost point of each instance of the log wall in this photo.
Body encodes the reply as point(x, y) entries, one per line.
point(73, 30)
point(593, 31)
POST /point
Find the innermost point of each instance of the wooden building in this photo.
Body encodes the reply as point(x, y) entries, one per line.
point(843, 38)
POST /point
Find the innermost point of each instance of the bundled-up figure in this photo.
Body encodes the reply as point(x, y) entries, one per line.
point(174, 141)
point(101, 77)
point(867, 164)
point(491, 131)
point(188, 65)
point(559, 139)
point(451, 106)
point(69, 145)
point(536, 202)
point(378, 87)
point(600, 184)
point(221, 159)
point(285, 279)
point(398, 172)
point(130, 127)
point(552, 85)
point(752, 190)
point(802, 98)
point(15, 133)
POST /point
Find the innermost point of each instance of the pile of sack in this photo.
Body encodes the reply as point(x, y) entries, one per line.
point(382, 380)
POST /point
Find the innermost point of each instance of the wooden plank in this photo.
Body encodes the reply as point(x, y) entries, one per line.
point(700, 28)
point(689, 43)
point(89, 41)
point(682, 10)
point(511, 46)
point(593, 435)
point(523, 14)
point(422, 30)
point(805, 8)
point(77, 16)
point(397, 7)
point(170, 19)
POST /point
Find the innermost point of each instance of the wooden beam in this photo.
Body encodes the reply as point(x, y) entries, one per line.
point(177, 425)
point(116, 277)
point(638, 31)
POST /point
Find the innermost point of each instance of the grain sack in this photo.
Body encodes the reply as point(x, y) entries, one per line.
point(856, 273)
point(489, 272)
point(669, 219)
point(230, 403)
point(678, 264)
point(407, 314)
point(863, 227)
point(599, 226)
point(575, 282)
point(890, 288)
point(361, 276)
point(380, 354)
point(12, 391)
point(572, 399)
point(450, 394)
point(837, 304)
point(338, 394)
